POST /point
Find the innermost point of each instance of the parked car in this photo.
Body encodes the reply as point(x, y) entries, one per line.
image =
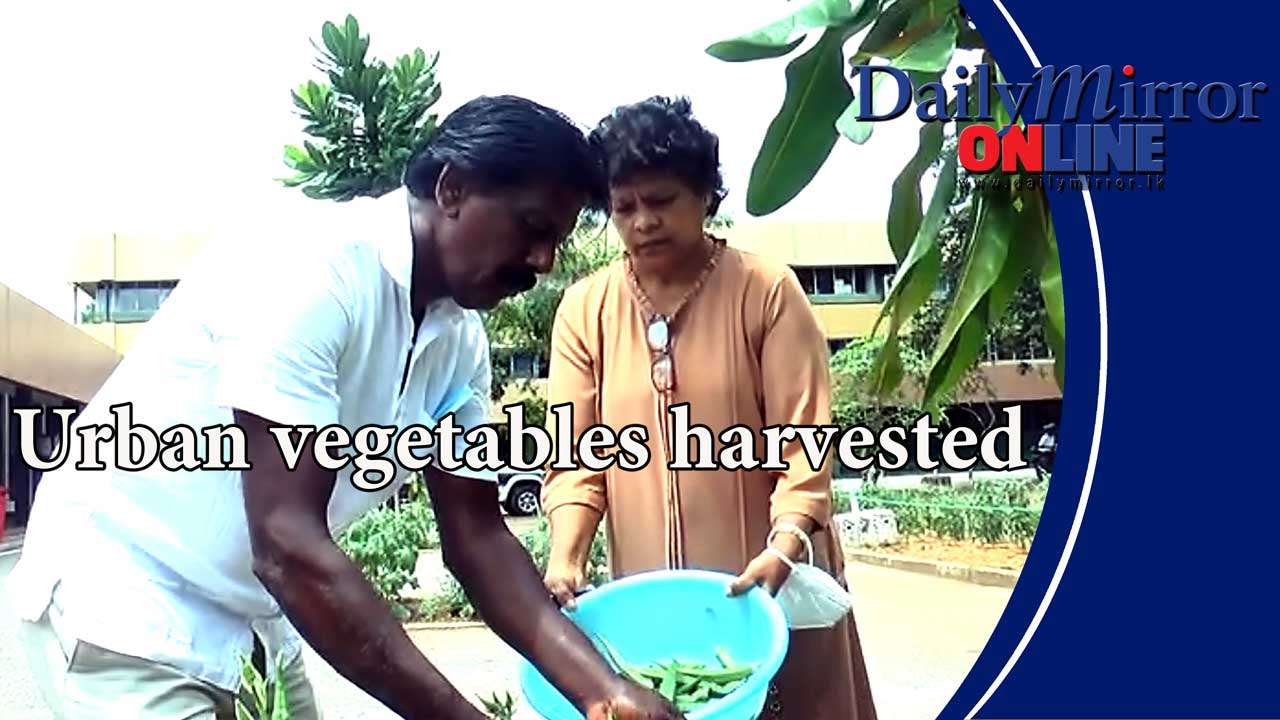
point(520, 491)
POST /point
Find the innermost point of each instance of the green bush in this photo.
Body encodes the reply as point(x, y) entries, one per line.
point(385, 545)
point(841, 501)
point(989, 511)
point(537, 540)
point(450, 601)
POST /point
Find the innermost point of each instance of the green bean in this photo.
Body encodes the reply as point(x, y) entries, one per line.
point(687, 684)
point(668, 687)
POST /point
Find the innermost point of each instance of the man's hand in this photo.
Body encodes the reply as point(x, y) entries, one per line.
point(632, 702)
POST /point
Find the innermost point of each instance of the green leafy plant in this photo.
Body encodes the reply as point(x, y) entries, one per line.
point(1019, 334)
point(499, 708)
point(841, 500)
point(1011, 233)
point(365, 121)
point(989, 511)
point(523, 323)
point(385, 544)
point(260, 699)
point(92, 314)
point(851, 403)
point(450, 601)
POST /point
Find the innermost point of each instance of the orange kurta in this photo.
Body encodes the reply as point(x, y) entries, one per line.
point(748, 352)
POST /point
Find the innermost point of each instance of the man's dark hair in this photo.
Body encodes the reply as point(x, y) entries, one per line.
point(507, 141)
point(661, 134)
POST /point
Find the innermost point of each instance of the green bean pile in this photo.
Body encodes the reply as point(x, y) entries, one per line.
point(688, 685)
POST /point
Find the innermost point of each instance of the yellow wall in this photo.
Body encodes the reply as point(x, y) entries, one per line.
point(124, 257)
point(127, 257)
point(822, 243)
point(118, 336)
point(814, 243)
point(807, 243)
point(847, 320)
point(131, 257)
point(39, 349)
point(104, 333)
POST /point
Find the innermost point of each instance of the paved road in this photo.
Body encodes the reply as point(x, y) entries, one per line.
point(920, 635)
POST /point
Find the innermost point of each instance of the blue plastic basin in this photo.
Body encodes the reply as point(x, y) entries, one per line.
point(677, 614)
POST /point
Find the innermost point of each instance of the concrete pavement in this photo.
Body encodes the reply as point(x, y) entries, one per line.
point(920, 635)
point(18, 696)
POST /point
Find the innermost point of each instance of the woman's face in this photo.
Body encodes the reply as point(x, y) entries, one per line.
point(660, 219)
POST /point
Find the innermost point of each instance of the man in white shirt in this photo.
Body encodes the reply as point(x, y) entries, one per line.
point(141, 589)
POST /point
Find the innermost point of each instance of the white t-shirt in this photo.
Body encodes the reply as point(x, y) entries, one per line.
point(307, 322)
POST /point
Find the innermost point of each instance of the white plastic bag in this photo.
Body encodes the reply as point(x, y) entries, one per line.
point(810, 597)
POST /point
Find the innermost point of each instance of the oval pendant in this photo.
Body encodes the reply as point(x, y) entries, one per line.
point(664, 374)
point(658, 334)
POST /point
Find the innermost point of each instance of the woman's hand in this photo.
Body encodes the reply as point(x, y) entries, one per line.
point(573, 528)
point(768, 570)
point(563, 580)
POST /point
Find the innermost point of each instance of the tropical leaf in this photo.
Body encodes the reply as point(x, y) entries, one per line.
point(915, 280)
point(904, 206)
point(1051, 288)
point(853, 129)
point(933, 52)
point(803, 132)
point(984, 259)
point(959, 358)
point(786, 34)
point(902, 24)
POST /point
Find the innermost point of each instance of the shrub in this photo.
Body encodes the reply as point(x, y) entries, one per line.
point(841, 501)
point(450, 601)
point(385, 545)
point(990, 511)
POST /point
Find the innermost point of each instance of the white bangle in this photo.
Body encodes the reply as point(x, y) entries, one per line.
point(794, 530)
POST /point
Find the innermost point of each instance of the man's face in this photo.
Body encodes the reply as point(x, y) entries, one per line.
point(493, 244)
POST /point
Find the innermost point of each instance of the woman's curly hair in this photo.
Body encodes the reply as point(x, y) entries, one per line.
point(661, 134)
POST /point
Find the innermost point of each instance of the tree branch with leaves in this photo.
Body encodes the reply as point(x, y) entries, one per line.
point(1011, 234)
point(365, 122)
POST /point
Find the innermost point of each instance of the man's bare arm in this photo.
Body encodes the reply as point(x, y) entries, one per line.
point(507, 591)
point(323, 593)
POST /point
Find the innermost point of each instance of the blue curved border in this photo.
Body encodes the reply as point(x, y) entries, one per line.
point(1082, 283)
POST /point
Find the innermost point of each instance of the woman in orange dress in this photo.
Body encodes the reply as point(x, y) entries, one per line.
point(683, 318)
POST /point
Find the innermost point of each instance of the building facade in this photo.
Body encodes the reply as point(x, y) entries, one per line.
point(45, 363)
point(120, 280)
point(846, 268)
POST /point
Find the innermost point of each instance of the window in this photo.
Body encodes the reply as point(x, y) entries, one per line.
point(845, 280)
point(845, 283)
point(125, 302)
point(805, 276)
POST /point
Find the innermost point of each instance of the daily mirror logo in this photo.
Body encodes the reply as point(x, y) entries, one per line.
point(1106, 129)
